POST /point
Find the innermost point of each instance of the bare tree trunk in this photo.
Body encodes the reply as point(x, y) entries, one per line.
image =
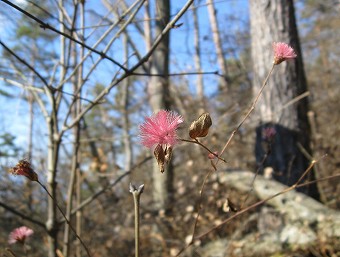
point(275, 21)
point(30, 99)
point(52, 160)
point(160, 99)
point(79, 213)
point(198, 67)
point(217, 42)
point(125, 113)
point(147, 26)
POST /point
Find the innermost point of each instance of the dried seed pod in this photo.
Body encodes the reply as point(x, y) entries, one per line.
point(167, 154)
point(159, 153)
point(200, 127)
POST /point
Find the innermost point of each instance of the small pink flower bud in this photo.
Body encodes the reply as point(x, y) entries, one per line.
point(282, 52)
point(19, 235)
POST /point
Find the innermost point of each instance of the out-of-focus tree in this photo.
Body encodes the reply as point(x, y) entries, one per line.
point(283, 132)
point(320, 37)
point(159, 95)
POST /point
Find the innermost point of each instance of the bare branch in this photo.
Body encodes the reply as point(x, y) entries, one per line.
point(44, 25)
point(21, 215)
point(138, 64)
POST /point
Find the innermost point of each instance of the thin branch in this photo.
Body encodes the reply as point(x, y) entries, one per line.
point(104, 189)
point(249, 111)
point(137, 65)
point(67, 221)
point(17, 84)
point(107, 32)
point(26, 64)
point(286, 190)
point(217, 161)
point(255, 176)
point(177, 74)
point(45, 25)
point(133, 14)
point(51, 89)
point(21, 215)
point(202, 145)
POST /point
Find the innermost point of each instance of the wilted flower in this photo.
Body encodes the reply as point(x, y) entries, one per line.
point(200, 127)
point(24, 168)
point(160, 129)
point(19, 235)
point(282, 52)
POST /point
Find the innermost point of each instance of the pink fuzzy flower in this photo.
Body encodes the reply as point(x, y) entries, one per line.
point(160, 129)
point(282, 52)
point(19, 235)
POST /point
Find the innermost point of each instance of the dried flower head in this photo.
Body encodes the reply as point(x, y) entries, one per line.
point(282, 52)
point(200, 127)
point(24, 168)
point(160, 129)
point(19, 235)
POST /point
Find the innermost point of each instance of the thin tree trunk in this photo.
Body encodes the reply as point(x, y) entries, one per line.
point(79, 213)
point(30, 99)
point(53, 154)
point(160, 99)
point(52, 160)
point(197, 58)
point(218, 44)
point(147, 29)
point(125, 112)
point(274, 21)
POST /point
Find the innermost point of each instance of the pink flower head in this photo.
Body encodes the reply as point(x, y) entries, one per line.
point(19, 235)
point(268, 133)
point(160, 129)
point(282, 52)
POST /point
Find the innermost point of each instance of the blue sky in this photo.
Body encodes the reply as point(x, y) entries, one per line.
point(14, 113)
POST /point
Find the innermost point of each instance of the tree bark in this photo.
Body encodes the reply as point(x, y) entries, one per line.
point(198, 66)
point(158, 91)
point(125, 112)
point(274, 21)
point(218, 44)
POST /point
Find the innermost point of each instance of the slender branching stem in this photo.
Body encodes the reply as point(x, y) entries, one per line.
point(11, 252)
point(67, 221)
point(205, 147)
point(254, 178)
point(224, 148)
point(251, 109)
point(242, 211)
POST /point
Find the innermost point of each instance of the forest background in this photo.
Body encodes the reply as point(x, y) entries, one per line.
point(79, 121)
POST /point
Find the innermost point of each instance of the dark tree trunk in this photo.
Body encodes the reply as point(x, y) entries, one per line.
point(160, 99)
point(274, 21)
